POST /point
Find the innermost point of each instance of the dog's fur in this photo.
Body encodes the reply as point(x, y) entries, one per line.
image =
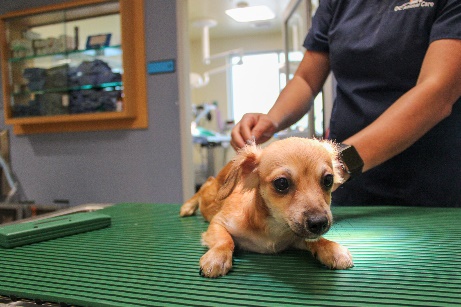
point(250, 205)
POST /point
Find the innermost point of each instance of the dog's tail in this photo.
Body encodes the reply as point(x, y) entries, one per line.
point(191, 205)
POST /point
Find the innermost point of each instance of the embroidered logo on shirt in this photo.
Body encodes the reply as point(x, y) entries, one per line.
point(413, 4)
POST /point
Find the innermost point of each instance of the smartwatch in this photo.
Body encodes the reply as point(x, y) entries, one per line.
point(352, 163)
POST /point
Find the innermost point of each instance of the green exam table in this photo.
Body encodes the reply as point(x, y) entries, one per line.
point(149, 257)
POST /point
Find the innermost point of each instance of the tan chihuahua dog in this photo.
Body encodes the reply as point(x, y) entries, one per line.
point(268, 200)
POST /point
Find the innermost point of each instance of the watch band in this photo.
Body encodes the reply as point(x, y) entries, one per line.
point(351, 161)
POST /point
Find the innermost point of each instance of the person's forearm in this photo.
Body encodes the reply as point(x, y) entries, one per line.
point(296, 98)
point(416, 112)
point(293, 102)
point(407, 120)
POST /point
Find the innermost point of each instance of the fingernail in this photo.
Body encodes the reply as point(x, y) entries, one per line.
point(252, 140)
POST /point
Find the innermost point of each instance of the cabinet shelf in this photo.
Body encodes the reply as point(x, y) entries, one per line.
point(93, 52)
point(107, 85)
point(70, 118)
point(78, 88)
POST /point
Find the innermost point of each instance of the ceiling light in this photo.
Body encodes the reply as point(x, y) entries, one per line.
point(251, 13)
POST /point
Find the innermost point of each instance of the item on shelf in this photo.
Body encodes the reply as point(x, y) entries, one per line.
point(30, 109)
point(63, 77)
point(52, 45)
point(30, 35)
point(42, 105)
point(51, 104)
point(19, 87)
point(32, 45)
point(90, 101)
point(36, 78)
point(21, 48)
point(57, 77)
point(76, 38)
point(96, 72)
point(98, 41)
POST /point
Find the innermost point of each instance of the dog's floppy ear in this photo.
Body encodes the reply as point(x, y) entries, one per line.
point(333, 149)
point(244, 166)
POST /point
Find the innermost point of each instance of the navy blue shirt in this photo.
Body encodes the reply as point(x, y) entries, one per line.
point(376, 49)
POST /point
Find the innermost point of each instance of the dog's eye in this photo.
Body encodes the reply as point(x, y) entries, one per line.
point(281, 184)
point(328, 181)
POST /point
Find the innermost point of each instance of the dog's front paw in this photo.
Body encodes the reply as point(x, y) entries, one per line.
point(216, 262)
point(336, 257)
point(332, 254)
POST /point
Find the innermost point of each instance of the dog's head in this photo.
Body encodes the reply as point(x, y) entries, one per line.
point(294, 178)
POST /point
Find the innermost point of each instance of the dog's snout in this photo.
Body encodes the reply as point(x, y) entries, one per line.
point(317, 224)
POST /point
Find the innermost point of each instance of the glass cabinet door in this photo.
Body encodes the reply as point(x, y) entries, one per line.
point(80, 63)
point(66, 62)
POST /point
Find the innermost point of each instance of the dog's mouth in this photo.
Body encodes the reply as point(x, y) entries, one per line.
point(306, 235)
point(311, 231)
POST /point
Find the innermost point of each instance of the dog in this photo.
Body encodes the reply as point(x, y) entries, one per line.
point(268, 200)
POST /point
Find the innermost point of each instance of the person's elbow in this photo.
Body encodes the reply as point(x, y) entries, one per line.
point(445, 94)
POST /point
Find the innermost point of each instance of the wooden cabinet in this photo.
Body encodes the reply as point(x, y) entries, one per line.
point(76, 66)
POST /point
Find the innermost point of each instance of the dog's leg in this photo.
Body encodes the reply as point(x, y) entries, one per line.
point(217, 261)
point(190, 206)
point(331, 254)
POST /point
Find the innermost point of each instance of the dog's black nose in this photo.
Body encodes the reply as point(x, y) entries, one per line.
point(317, 224)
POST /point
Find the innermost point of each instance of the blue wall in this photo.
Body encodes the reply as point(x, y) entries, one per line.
point(110, 166)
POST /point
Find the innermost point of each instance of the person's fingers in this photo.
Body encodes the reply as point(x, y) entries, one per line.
point(248, 122)
point(252, 127)
point(237, 141)
point(261, 132)
point(242, 131)
point(264, 129)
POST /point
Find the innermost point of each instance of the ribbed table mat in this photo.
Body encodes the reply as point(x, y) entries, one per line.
point(149, 257)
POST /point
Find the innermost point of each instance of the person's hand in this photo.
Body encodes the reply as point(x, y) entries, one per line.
point(257, 126)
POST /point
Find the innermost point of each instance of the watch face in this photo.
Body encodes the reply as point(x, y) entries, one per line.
point(351, 159)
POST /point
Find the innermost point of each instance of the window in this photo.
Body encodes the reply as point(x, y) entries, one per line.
point(256, 84)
